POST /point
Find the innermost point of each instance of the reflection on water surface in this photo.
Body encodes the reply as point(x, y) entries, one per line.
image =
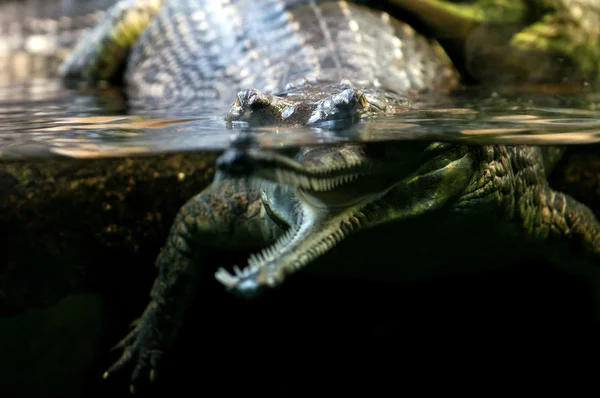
point(44, 119)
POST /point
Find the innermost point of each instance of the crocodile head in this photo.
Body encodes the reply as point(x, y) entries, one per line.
point(314, 105)
point(321, 194)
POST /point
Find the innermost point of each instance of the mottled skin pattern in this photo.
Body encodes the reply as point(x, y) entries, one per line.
point(193, 52)
point(296, 208)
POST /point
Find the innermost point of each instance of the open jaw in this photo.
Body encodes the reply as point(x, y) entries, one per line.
point(314, 207)
point(321, 205)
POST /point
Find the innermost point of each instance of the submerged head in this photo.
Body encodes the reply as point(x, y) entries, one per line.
point(326, 192)
point(314, 105)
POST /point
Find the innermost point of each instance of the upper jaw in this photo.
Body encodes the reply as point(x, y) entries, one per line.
point(337, 174)
point(273, 167)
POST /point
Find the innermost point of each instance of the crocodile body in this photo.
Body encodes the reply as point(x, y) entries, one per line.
point(308, 62)
point(191, 53)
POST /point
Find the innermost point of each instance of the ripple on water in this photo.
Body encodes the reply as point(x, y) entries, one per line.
point(41, 118)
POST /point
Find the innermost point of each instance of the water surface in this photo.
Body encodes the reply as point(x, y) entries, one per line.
point(42, 118)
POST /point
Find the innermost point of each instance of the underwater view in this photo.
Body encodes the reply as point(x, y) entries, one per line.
point(298, 197)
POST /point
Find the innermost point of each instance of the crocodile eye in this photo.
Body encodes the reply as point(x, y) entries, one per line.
point(238, 101)
point(362, 100)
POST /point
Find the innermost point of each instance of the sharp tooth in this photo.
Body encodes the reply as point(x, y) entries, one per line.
point(306, 182)
point(290, 178)
point(314, 184)
point(278, 175)
point(223, 276)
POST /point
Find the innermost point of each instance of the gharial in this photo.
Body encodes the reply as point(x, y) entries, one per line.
point(311, 62)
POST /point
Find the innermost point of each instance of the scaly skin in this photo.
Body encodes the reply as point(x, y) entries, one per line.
point(217, 217)
point(299, 208)
point(310, 62)
point(192, 52)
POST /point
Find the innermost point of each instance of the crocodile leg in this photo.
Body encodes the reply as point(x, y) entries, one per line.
point(552, 225)
point(570, 232)
point(553, 216)
point(101, 54)
point(222, 216)
point(514, 181)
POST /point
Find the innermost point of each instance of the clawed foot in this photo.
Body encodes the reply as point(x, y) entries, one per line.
point(139, 348)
